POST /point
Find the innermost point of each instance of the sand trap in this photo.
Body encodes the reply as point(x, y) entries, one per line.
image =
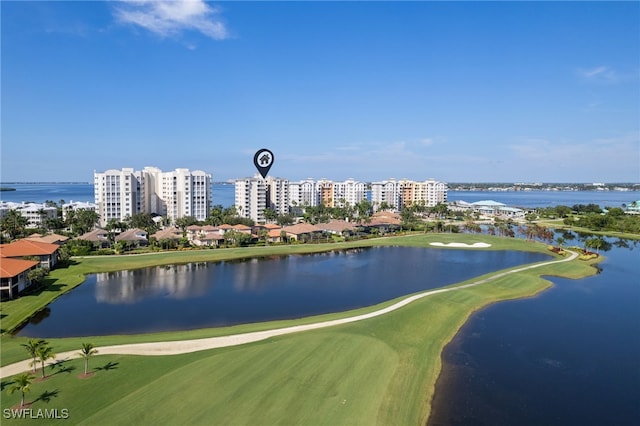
point(464, 245)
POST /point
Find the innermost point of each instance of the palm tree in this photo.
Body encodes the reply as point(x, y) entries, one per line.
point(21, 383)
point(32, 347)
point(86, 351)
point(13, 223)
point(44, 353)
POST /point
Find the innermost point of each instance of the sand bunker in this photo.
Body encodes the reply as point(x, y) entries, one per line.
point(463, 245)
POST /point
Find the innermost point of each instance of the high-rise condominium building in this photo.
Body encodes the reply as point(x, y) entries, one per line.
point(277, 196)
point(122, 193)
point(402, 193)
point(251, 198)
point(255, 194)
point(304, 193)
point(340, 194)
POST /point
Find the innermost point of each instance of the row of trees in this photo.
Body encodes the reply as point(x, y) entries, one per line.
point(77, 222)
point(592, 217)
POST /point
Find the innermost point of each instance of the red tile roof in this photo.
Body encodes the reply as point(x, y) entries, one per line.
point(301, 228)
point(10, 268)
point(27, 248)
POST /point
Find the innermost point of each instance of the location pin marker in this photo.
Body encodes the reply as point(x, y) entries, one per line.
point(263, 161)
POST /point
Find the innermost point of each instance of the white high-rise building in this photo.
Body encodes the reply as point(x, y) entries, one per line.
point(350, 192)
point(386, 191)
point(116, 194)
point(255, 194)
point(251, 198)
point(186, 194)
point(120, 194)
point(277, 197)
point(304, 193)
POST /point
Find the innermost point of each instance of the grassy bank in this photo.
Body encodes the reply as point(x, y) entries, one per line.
point(559, 224)
point(381, 370)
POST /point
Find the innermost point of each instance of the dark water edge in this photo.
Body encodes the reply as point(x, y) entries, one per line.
point(569, 356)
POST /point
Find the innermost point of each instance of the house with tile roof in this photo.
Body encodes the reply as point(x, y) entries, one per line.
point(338, 227)
point(99, 237)
point(303, 232)
point(49, 238)
point(14, 276)
point(47, 253)
point(135, 237)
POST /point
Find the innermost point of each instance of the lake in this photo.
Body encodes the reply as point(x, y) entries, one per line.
point(216, 294)
point(570, 356)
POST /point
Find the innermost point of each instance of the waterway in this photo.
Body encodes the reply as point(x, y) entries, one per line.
point(202, 295)
point(570, 356)
point(224, 195)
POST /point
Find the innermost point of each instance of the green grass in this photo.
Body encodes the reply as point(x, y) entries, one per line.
point(379, 371)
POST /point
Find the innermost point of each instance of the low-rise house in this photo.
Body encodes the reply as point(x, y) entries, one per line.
point(135, 237)
point(99, 237)
point(303, 232)
point(241, 228)
point(207, 235)
point(46, 253)
point(633, 207)
point(383, 222)
point(50, 238)
point(338, 227)
point(170, 233)
point(488, 208)
point(275, 235)
point(14, 276)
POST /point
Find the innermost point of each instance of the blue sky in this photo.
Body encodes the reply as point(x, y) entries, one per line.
point(458, 91)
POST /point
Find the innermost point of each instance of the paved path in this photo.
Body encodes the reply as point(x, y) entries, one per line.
point(188, 346)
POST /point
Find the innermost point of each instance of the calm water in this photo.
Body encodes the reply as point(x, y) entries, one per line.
point(548, 198)
point(570, 356)
point(226, 293)
point(224, 195)
point(39, 193)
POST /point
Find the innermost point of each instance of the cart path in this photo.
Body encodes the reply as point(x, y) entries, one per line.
point(194, 345)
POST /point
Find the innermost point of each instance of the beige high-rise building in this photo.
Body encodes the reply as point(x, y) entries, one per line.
point(404, 193)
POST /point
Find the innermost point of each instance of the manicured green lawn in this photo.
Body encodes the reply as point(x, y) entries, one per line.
point(378, 371)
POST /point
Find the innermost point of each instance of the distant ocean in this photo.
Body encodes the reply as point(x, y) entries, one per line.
point(224, 194)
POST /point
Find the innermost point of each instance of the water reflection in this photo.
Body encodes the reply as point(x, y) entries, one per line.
point(174, 281)
point(190, 296)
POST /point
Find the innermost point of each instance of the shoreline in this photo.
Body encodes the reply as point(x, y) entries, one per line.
point(188, 346)
point(419, 377)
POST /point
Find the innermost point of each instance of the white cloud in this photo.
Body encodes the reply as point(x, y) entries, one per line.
point(597, 72)
point(169, 18)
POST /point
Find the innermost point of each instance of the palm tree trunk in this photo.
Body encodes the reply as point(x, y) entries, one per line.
point(86, 366)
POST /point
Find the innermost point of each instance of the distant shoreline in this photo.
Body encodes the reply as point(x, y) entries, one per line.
point(45, 183)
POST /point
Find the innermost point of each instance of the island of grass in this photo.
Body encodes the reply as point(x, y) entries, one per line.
point(379, 370)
